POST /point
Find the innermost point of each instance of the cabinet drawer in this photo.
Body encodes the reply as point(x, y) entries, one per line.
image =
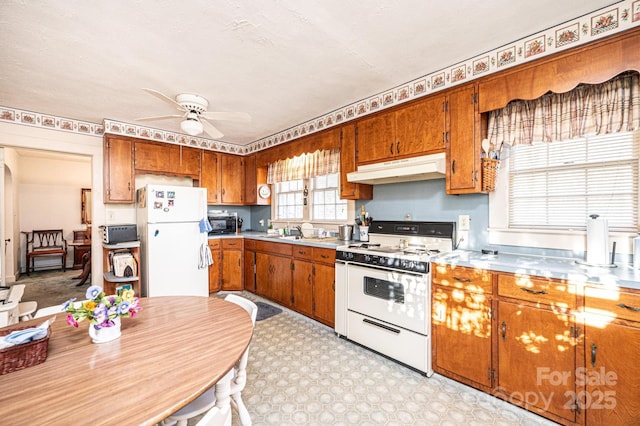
point(232, 243)
point(470, 279)
point(250, 244)
point(323, 255)
point(214, 244)
point(537, 290)
point(276, 248)
point(302, 252)
point(610, 302)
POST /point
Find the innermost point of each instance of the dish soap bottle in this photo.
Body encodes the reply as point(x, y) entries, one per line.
point(363, 214)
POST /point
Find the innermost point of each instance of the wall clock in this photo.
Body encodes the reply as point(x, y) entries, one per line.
point(264, 191)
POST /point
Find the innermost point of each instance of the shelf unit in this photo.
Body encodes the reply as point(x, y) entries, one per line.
point(111, 282)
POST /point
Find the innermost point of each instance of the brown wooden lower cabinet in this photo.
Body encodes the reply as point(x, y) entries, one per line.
point(297, 276)
point(215, 269)
point(461, 324)
point(232, 264)
point(566, 355)
point(537, 359)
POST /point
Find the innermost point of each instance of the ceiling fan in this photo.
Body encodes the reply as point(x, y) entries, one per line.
point(195, 115)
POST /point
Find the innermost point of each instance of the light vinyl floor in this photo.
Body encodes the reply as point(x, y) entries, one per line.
point(301, 373)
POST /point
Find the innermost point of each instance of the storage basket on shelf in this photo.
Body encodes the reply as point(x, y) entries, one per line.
point(489, 171)
point(24, 355)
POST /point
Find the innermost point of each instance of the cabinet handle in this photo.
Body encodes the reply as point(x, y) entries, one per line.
point(503, 330)
point(398, 147)
point(324, 256)
point(309, 279)
point(594, 348)
point(391, 148)
point(625, 306)
point(453, 166)
point(529, 290)
point(462, 280)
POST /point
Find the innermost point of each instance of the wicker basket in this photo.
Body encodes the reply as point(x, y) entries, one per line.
point(490, 168)
point(25, 355)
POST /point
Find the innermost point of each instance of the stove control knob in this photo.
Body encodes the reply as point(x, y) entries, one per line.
point(367, 258)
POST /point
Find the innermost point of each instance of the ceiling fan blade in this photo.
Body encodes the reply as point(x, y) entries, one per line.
point(211, 130)
point(164, 98)
point(227, 116)
point(160, 117)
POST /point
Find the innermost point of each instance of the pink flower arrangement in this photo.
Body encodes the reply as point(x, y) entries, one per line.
point(101, 309)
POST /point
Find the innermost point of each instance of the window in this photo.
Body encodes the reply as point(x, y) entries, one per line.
point(558, 185)
point(321, 202)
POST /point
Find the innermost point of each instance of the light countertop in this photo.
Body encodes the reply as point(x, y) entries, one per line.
point(623, 275)
point(330, 243)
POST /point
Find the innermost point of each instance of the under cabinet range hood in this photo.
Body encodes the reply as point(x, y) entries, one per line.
point(405, 170)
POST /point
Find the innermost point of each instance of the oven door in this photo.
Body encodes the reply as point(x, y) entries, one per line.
point(398, 298)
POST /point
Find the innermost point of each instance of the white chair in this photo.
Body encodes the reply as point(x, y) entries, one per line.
point(8, 313)
point(25, 309)
point(207, 401)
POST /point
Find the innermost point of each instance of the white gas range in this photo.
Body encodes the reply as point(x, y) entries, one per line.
point(383, 289)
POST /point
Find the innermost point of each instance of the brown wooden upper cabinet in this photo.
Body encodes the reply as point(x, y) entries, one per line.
point(118, 175)
point(348, 164)
point(463, 141)
point(210, 176)
point(158, 157)
point(415, 129)
point(223, 176)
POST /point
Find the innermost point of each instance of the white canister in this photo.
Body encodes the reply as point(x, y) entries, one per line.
point(636, 252)
point(364, 233)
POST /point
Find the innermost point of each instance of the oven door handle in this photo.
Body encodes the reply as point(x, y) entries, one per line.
point(377, 324)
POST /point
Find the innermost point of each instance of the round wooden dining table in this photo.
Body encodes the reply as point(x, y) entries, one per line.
point(171, 352)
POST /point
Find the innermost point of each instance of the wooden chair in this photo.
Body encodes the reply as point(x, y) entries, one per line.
point(46, 243)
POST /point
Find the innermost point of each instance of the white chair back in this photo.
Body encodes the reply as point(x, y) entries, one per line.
point(240, 380)
point(16, 292)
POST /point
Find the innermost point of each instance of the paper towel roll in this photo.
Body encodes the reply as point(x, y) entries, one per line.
point(597, 241)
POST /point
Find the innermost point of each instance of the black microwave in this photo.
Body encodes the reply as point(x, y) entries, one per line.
point(223, 224)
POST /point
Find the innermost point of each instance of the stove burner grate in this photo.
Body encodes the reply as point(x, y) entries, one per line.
point(364, 245)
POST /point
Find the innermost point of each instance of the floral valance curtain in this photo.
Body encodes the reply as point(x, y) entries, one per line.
point(304, 166)
point(610, 107)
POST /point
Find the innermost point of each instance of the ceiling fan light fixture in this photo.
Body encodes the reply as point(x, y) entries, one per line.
point(191, 126)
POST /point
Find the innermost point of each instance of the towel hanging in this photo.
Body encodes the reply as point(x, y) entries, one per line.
point(206, 258)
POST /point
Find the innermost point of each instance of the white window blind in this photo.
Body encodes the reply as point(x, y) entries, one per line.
point(322, 202)
point(327, 204)
point(558, 185)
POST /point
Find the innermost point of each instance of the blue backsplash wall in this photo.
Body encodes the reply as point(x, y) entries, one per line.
point(427, 201)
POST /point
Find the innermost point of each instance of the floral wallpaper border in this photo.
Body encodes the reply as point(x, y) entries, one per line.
point(601, 23)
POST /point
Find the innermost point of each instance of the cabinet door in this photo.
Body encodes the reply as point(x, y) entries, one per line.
point(376, 138)
point(250, 180)
point(250, 270)
point(118, 170)
point(420, 126)
point(324, 290)
point(232, 268)
point(186, 161)
point(215, 270)
point(350, 190)
point(210, 176)
point(303, 287)
point(612, 395)
point(462, 333)
point(153, 157)
point(264, 284)
point(536, 358)
point(231, 179)
point(281, 277)
point(463, 162)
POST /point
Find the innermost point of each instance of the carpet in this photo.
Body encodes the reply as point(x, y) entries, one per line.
point(50, 288)
point(266, 311)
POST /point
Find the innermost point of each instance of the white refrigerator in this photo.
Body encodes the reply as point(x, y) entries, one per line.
point(168, 219)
